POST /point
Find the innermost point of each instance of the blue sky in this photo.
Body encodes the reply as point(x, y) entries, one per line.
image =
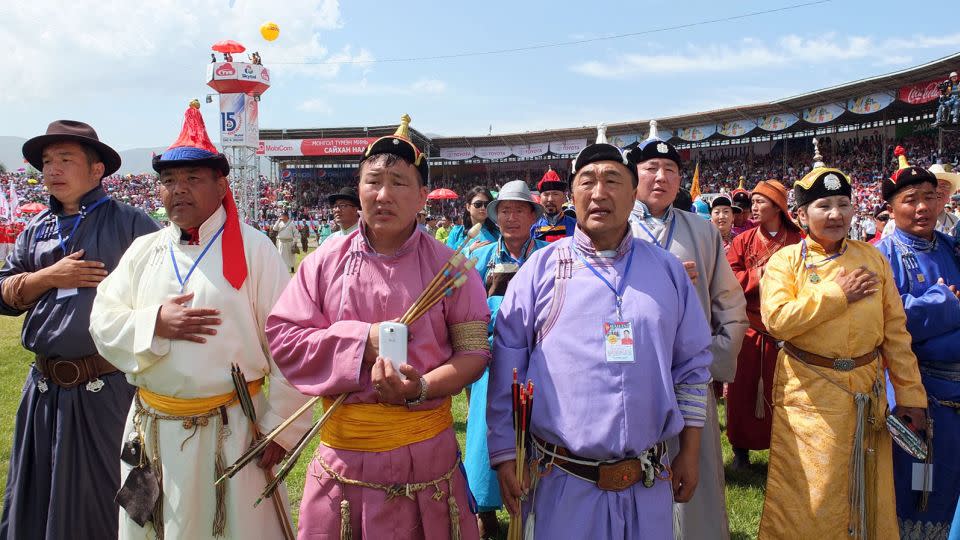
point(129, 68)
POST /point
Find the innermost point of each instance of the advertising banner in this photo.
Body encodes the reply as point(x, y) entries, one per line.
point(698, 133)
point(916, 94)
point(776, 122)
point(493, 152)
point(735, 128)
point(821, 114)
point(622, 141)
point(239, 120)
point(346, 146)
point(569, 146)
point(530, 150)
point(457, 154)
point(870, 103)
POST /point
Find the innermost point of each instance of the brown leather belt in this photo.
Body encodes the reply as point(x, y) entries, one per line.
point(612, 476)
point(72, 372)
point(838, 364)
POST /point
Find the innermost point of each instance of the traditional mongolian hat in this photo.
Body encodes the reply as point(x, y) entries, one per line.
point(516, 190)
point(70, 131)
point(721, 200)
point(654, 147)
point(551, 182)
point(905, 176)
point(400, 144)
point(194, 149)
point(348, 194)
point(820, 182)
point(601, 151)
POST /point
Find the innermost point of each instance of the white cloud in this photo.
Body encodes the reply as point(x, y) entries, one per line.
point(749, 54)
point(364, 88)
point(316, 105)
point(92, 48)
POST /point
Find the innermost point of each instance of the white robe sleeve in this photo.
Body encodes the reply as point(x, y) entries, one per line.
point(124, 335)
point(270, 279)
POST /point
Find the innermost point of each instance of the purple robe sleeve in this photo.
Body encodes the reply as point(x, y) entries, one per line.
point(316, 357)
point(691, 352)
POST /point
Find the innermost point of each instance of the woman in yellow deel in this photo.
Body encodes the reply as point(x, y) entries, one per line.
point(835, 305)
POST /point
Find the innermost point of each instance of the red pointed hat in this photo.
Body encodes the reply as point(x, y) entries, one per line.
point(194, 149)
point(551, 182)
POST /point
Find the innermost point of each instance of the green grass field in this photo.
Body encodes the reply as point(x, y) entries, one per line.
point(744, 489)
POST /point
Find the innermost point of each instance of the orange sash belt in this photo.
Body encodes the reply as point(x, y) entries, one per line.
point(378, 427)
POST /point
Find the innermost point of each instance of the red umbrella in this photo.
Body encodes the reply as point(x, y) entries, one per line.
point(228, 46)
point(442, 194)
point(31, 208)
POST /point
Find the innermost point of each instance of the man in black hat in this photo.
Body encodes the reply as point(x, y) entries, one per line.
point(346, 211)
point(63, 471)
point(554, 224)
point(699, 247)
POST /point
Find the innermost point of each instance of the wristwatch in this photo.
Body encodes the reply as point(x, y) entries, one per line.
point(424, 385)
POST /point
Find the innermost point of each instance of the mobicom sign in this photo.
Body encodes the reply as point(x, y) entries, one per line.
point(351, 146)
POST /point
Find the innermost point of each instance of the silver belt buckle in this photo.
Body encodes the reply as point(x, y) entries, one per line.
point(843, 364)
point(95, 385)
point(42, 386)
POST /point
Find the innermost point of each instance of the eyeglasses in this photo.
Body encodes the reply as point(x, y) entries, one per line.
point(343, 207)
point(479, 204)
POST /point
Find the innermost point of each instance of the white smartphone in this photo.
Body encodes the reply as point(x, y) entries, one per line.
point(393, 344)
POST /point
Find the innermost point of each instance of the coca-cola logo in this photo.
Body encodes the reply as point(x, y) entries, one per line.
point(225, 70)
point(920, 93)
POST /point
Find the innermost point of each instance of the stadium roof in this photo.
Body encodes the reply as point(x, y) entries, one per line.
point(840, 93)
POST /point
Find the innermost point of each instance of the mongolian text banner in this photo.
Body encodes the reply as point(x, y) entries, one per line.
point(346, 146)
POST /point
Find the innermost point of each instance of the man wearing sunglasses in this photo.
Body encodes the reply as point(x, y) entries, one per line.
point(346, 211)
point(881, 215)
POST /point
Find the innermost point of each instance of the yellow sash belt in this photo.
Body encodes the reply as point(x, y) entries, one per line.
point(193, 406)
point(377, 427)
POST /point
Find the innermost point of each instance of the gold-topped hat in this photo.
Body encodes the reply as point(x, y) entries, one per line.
point(821, 181)
point(400, 144)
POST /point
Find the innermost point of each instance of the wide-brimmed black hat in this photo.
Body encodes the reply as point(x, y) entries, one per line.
point(348, 194)
point(72, 131)
point(400, 144)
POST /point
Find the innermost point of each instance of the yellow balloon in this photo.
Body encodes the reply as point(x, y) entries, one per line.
point(270, 31)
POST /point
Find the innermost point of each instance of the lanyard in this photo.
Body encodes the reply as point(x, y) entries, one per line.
point(653, 238)
point(176, 269)
point(617, 293)
point(811, 266)
point(84, 212)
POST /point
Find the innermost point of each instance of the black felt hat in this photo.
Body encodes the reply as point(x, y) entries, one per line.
point(654, 147)
point(907, 175)
point(601, 151)
point(400, 144)
point(348, 194)
point(820, 182)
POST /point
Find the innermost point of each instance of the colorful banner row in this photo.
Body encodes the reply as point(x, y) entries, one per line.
point(569, 146)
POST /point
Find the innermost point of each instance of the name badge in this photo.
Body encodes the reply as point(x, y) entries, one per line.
point(618, 341)
point(66, 293)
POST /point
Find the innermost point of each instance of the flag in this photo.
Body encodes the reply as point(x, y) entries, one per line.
point(14, 199)
point(695, 188)
point(6, 214)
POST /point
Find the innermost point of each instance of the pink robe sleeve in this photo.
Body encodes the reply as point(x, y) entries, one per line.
point(315, 356)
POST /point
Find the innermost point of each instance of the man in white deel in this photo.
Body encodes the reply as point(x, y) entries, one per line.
point(184, 305)
point(286, 235)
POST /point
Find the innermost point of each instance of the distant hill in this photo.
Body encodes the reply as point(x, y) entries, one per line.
point(136, 160)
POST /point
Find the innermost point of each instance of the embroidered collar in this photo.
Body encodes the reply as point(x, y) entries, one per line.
point(207, 229)
point(815, 246)
point(915, 242)
point(641, 211)
point(583, 243)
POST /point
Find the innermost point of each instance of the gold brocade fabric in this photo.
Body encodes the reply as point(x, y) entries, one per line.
point(378, 427)
point(469, 336)
point(808, 479)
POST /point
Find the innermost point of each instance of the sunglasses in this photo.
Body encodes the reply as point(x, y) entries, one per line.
point(883, 217)
point(479, 204)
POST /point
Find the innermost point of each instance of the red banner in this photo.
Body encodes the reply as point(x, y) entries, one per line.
point(924, 92)
point(347, 146)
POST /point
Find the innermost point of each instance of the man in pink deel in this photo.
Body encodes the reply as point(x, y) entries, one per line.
point(388, 465)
